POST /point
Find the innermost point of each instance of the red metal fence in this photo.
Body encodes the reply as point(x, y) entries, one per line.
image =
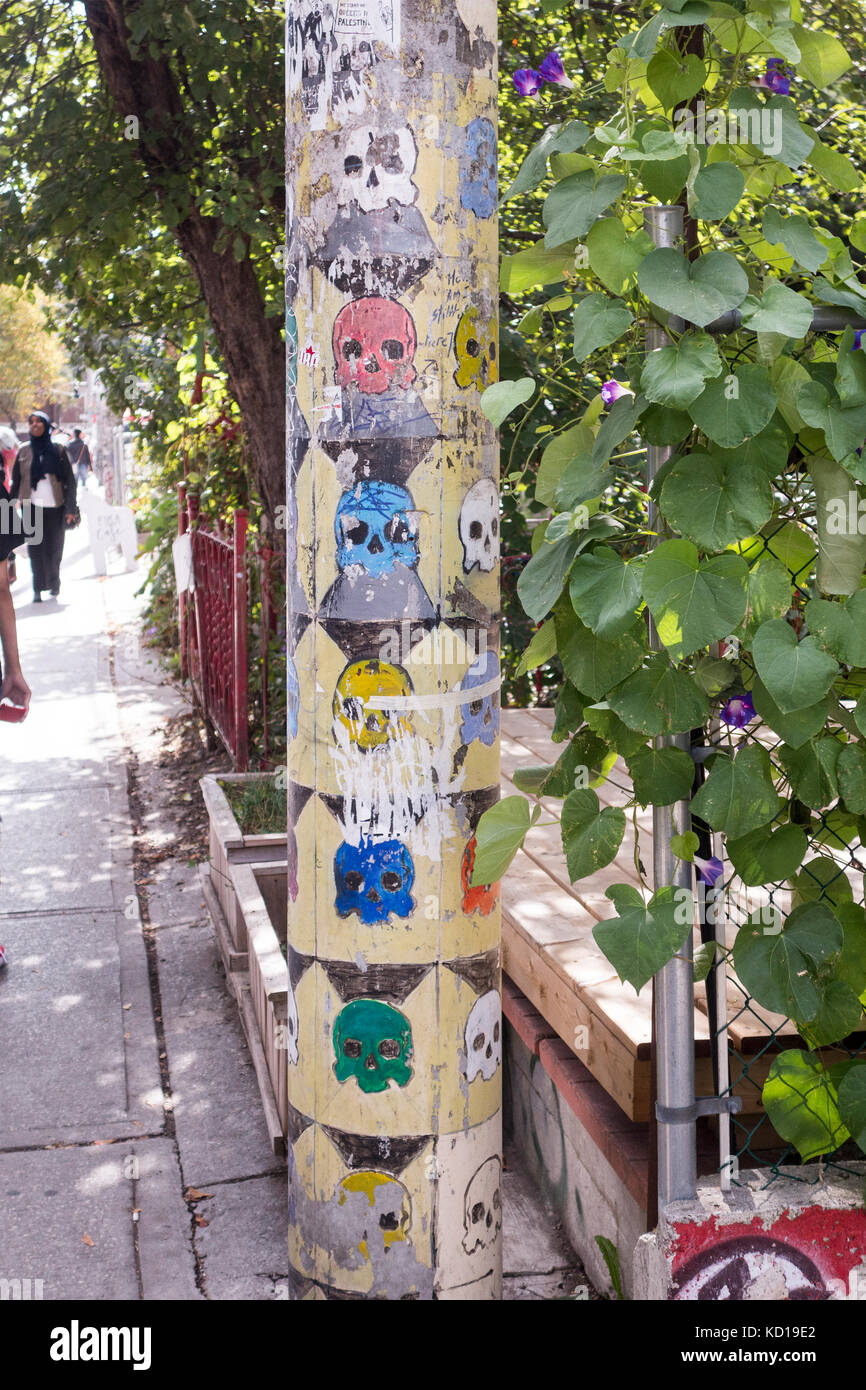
point(214, 632)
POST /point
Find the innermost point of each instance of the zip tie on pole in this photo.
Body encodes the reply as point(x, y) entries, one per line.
point(701, 1105)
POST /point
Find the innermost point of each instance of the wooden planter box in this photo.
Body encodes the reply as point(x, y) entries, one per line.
point(228, 846)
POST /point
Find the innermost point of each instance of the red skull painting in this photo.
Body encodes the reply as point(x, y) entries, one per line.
point(374, 344)
point(485, 896)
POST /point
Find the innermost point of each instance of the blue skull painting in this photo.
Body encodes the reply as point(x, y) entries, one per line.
point(376, 529)
point(374, 880)
point(478, 183)
point(293, 697)
point(481, 716)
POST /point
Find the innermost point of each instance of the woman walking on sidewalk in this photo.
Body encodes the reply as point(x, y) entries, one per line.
point(42, 475)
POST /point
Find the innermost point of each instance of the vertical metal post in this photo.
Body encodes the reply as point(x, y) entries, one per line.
point(239, 633)
point(395, 1032)
point(182, 524)
point(674, 984)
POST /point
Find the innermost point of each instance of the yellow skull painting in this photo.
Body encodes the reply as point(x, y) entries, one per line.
point(360, 682)
point(475, 347)
point(381, 1214)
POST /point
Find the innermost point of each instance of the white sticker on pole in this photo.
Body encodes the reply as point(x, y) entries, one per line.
point(181, 554)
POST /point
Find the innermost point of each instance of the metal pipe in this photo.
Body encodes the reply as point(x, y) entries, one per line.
point(674, 984)
point(823, 321)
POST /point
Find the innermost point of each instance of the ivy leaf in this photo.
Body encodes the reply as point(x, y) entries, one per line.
point(563, 447)
point(598, 322)
point(767, 856)
point(541, 582)
point(644, 936)
point(840, 628)
point(822, 60)
point(852, 1102)
point(795, 674)
point(674, 77)
point(664, 180)
point(661, 775)
point(615, 254)
point(582, 480)
point(663, 426)
point(498, 400)
point(541, 648)
point(795, 728)
point(693, 602)
point(733, 408)
point(779, 310)
point(605, 591)
point(778, 133)
point(717, 190)
point(768, 593)
point(715, 502)
point(591, 836)
point(556, 139)
point(839, 1014)
point(852, 777)
point(675, 374)
point(534, 266)
point(593, 664)
point(844, 427)
point(777, 967)
point(821, 880)
point(576, 202)
point(801, 1103)
point(739, 795)
point(698, 291)
point(797, 237)
point(602, 720)
point(500, 834)
point(659, 699)
point(686, 846)
point(811, 771)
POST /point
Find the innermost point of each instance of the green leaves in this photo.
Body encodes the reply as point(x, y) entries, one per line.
point(717, 190)
point(852, 777)
point(767, 856)
point(693, 602)
point(674, 77)
point(735, 407)
point(674, 375)
point(852, 1102)
point(644, 936)
point(498, 400)
point(500, 834)
point(535, 266)
point(797, 237)
point(822, 59)
point(574, 204)
point(605, 591)
point(598, 321)
point(661, 775)
point(593, 664)
point(540, 583)
point(779, 310)
point(778, 967)
point(801, 1103)
point(739, 795)
point(844, 426)
point(840, 628)
point(659, 700)
point(591, 835)
point(715, 502)
point(555, 140)
point(795, 674)
point(698, 291)
point(615, 254)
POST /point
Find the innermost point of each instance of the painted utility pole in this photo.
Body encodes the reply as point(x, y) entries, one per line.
point(393, 543)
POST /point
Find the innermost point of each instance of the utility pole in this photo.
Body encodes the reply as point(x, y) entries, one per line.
point(394, 1013)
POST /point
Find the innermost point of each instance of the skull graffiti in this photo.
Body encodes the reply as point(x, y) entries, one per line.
point(374, 880)
point(378, 168)
point(379, 1210)
point(479, 526)
point(475, 347)
point(361, 680)
point(478, 184)
point(484, 896)
point(374, 345)
point(482, 1209)
point(293, 697)
point(483, 1036)
point(291, 1027)
point(373, 1044)
point(481, 716)
point(376, 529)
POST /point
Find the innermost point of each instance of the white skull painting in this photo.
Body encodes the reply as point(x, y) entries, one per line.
point(482, 1210)
point(378, 167)
point(291, 1028)
point(483, 1037)
point(479, 526)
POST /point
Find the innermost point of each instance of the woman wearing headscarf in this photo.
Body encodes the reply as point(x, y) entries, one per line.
point(42, 475)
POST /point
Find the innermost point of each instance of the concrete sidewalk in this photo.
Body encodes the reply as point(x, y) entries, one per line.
point(125, 1076)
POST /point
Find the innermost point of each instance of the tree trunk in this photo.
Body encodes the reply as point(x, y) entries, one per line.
point(250, 343)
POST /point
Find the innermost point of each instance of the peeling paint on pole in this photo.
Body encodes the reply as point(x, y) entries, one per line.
point(394, 956)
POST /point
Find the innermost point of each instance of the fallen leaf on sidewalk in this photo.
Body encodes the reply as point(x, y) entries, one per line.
point(202, 1221)
point(87, 1240)
point(193, 1194)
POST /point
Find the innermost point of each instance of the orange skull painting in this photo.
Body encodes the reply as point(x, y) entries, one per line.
point(482, 898)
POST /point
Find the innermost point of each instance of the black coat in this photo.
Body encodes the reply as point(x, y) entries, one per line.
point(63, 479)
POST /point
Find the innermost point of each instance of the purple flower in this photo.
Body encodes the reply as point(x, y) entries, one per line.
point(527, 81)
point(709, 870)
point(612, 390)
point(777, 78)
point(858, 339)
point(738, 711)
point(552, 71)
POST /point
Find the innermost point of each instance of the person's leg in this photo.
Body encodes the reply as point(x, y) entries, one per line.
point(36, 554)
point(57, 534)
